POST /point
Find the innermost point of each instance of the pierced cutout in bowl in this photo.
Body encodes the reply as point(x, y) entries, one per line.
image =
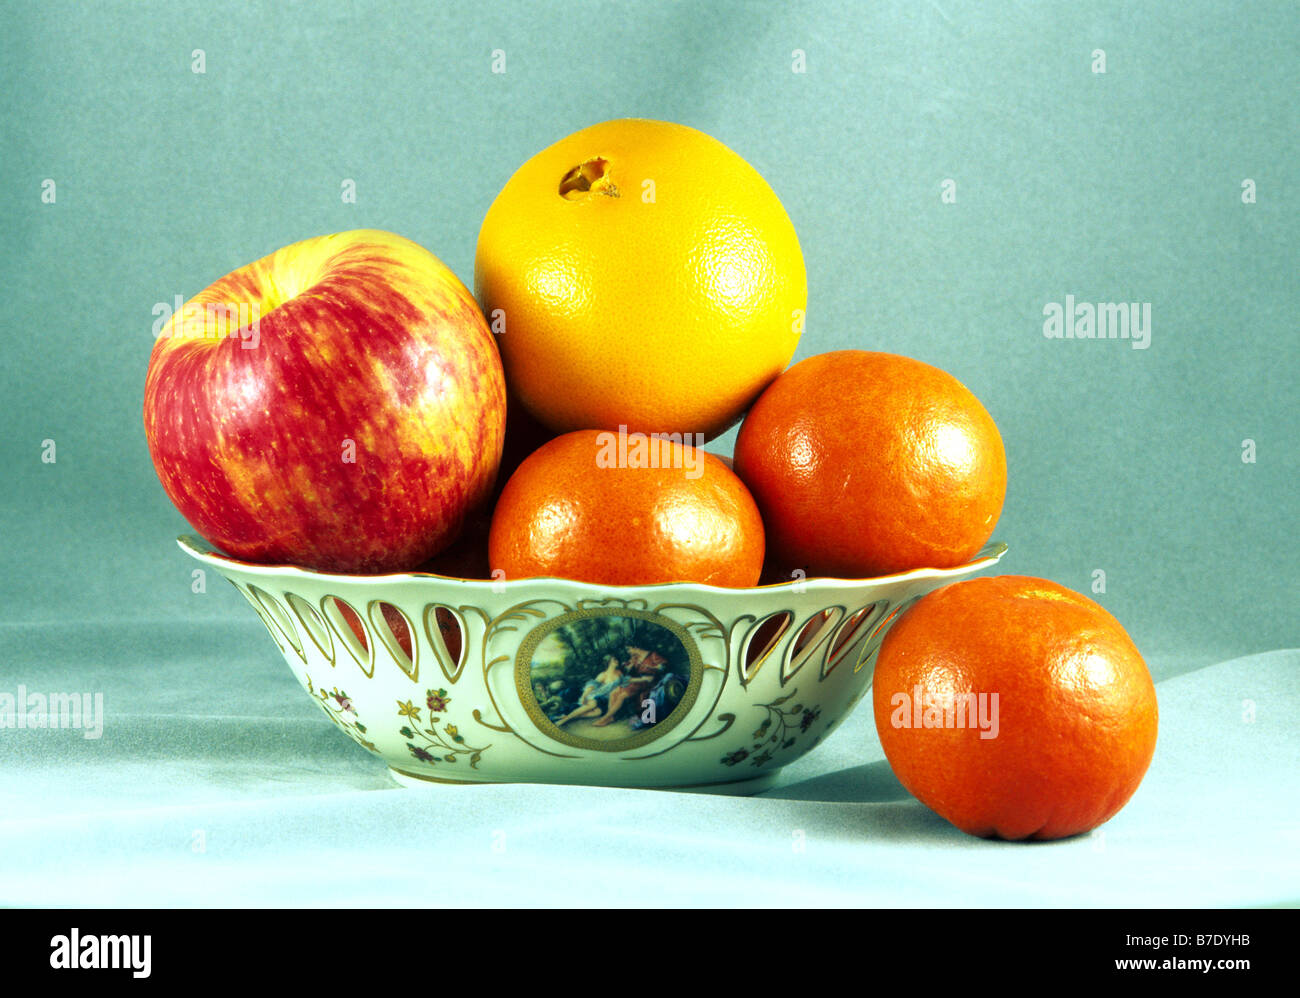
point(280, 616)
point(351, 632)
point(854, 628)
point(814, 633)
point(312, 624)
point(446, 632)
point(762, 639)
point(396, 633)
point(877, 635)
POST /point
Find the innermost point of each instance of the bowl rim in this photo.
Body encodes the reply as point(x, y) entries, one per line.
point(203, 551)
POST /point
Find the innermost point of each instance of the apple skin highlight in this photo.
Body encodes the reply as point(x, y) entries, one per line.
point(352, 428)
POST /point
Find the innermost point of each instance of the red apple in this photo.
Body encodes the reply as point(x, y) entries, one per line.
point(339, 404)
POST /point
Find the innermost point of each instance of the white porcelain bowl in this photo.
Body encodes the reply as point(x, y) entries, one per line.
point(553, 681)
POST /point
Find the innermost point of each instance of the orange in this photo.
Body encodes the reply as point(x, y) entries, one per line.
point(1067, 724)
point(619, 509)
point(640, 273)
point(866, 464)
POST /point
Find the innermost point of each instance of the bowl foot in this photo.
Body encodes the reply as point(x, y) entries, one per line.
point(734, 788)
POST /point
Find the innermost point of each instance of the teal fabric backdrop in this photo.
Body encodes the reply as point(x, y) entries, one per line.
point(128, 178)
